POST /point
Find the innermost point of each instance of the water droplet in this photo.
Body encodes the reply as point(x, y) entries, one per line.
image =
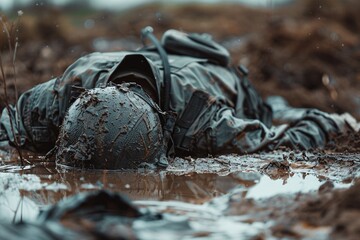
point(158, 16)
point(89, 23)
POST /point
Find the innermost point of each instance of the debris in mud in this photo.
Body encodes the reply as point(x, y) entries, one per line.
point(346, 143)
point(311, 215)
point(226, 193)
point(339, 209)
point(326, 187)
point(276, 169)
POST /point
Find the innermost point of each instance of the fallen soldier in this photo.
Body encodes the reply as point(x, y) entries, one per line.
point(177, 97)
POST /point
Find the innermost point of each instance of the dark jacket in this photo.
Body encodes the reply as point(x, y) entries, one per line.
point(218, 111)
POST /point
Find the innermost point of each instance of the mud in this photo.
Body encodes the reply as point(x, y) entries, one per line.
point(280, 194)
point(346, 143)
point(307, 52)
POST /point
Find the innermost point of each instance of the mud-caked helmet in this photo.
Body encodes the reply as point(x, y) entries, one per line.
point(113, 127)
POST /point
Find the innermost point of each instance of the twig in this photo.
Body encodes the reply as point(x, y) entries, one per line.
point(17, 209)
point(16, 142)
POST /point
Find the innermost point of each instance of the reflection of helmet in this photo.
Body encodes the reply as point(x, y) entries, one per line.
point(110, 128)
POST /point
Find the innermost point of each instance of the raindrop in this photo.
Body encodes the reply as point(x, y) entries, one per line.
point(158, 16)
point(334, 36)
point(89, 23)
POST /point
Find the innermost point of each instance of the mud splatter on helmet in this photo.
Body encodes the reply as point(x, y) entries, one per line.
point(111, 128)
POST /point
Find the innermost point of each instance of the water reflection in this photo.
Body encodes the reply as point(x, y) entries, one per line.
point(15, 206)
point(44, 183)
point(192, 188)
point(56, 183)
point(268, 187)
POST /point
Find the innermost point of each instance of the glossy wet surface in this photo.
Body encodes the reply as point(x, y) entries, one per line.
point(205, 191)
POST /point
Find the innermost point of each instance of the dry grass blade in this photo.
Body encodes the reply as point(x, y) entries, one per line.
point(19, 207)
point(4, 82)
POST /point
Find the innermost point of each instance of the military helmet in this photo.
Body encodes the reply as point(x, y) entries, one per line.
point(110, 128)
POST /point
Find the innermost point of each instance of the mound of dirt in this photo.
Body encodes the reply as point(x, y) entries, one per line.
point(309, 54)
point(339, 209)
point(345, 143)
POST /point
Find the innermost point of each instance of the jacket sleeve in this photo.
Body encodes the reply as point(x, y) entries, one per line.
point(34, 120)
point(39, 112)
point(225, 133)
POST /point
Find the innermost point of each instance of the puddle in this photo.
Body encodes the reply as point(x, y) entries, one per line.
point(297, 183)
point(199, 192)
point(14, 207)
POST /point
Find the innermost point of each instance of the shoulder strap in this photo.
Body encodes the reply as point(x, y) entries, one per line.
point(195, 45)
point(148, 33)
point(170, 116)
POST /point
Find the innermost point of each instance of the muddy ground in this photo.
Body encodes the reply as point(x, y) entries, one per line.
point(308, 52)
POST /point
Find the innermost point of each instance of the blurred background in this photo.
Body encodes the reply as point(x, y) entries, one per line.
point(124, 4)
point(307, 51)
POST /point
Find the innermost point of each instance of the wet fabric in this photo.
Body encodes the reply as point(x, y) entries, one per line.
point(231, 119)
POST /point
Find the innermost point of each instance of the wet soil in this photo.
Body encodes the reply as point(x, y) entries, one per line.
point(346, 143)
point(281, 194)
point(308, 52)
